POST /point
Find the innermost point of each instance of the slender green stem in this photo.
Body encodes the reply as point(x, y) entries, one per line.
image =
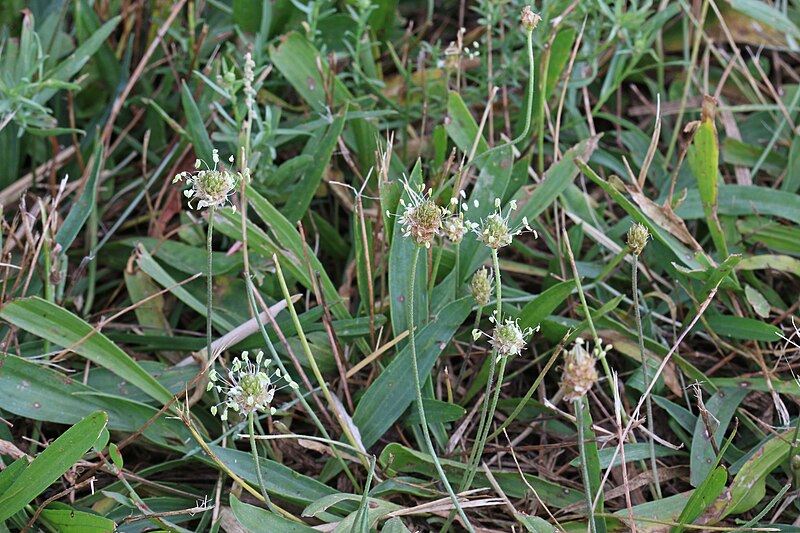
point(500, 374)
point(646, 374)
point(209, 282)
point(274, 356)
point(457, 269)
point(478, 315)
point(91, 274)
point(312, 361)
point(362, 518)
point(541, 117)
point(586, 310)
point(231, 474)
point(487, 412)
point(477, 448)
point(434, 271)
point(579, 422)
point(498, 287)
point(521, 405)
point(259, 475)
point(529, 109)
point(418, 389)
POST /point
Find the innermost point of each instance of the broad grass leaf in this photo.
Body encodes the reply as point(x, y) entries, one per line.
point(68, 520)
point(49, 465)
point(322, 149)
point(395, 525)
point(749, 485)
point(195, 127)
point(48, 321)
point(462, 128)
point(544, 304)
point(77, 59)
point(279, 480)
point(38, 392)
point(744, 200)
point(396, 458)
point(388, 397)
point(257, 520)
point(592, 462)
point(721, 406)
point(742, 328)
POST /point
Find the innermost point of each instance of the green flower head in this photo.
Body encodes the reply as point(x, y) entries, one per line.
point(496, 231)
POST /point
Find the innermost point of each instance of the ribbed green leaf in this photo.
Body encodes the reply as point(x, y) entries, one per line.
point(49, 465)
point(48, 321)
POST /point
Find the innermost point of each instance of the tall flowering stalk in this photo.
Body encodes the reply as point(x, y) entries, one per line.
point(210, 187)
point(529, 20)
point(638, 236)
point(579, 374)
point(507, 338)
point(422, 222)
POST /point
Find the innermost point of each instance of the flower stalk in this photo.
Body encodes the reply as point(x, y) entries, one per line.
point(638, 236)
point(209, 283)
point(477, 448)
point(580, 421)
point(259, 475)
point(418, 391)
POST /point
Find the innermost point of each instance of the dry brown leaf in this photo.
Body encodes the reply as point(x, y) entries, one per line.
point(664, 217)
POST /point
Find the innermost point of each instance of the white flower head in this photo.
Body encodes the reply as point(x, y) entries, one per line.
point(495, 231)
point(422, 219)
point(508, 338)
point(211, 187)
point(454, 225)
point(248, 386)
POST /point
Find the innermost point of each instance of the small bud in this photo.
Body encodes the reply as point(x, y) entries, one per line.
point(529, 19)
point(481, 286)
point(638, 236)
point(579, 372)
